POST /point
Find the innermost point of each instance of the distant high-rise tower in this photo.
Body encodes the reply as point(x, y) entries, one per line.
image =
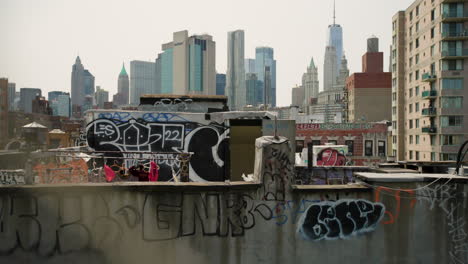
point(82, 83)
point(330, 70)
point(235, 76)
point(11, 96)
point(101, 97)
point(310, 83)
point(187, 65)
point(77, 83)
point(123, 86)
point(142, 79)
point(220, 84)
point(264, 59)
point(27, 95)
point(335, 39)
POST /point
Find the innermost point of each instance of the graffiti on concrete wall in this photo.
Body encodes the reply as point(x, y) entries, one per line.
point(340, 219)
point(12, 177)
point(278, 172)
point(164, 133)
point(451, 201)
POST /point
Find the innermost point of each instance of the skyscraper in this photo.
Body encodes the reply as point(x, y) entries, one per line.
point(3, 111)
point(335, 39)
point(27, 95)
point(142, 79)
point(333, 54)
point(251, 86)
point(123, 86)
point(77, 83)
point(235, 76)
point(11, 96)
point(250, 66)
point(188, 65)
point(220, 84)
point(330, 70)
point(60, 103)
point(264, 59)
point(82, 83)
point(101, 96)
point(310, 83)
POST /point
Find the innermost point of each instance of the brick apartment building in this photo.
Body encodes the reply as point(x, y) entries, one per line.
point(367, 142)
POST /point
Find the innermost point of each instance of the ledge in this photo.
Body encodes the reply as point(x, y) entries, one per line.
point(407, 177)
point(336, 187)
point(138, 186)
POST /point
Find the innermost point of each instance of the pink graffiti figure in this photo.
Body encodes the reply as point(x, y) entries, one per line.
point(330, 157)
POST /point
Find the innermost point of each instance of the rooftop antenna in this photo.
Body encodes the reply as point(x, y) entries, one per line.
point(334, 12)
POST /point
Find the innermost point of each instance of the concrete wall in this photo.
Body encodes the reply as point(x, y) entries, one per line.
point(235, 223)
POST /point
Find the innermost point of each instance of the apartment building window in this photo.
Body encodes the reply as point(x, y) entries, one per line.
point(410, 108)
point(433, 68)
point(411, 46)
point(417, 43)
point(410, 77)
point(433, 86)
point(417, 10)
point(417, 155)
point(417, 27)
point(394, 40)
point(394, 82)
point(416, 108)
point(416, 58)
point(394, 139)
point(411, 92)
point(393, 96)
point(448, 156)
point(394, 67)
point(452, 102)
point(416, 91)
point(368, 149)
point(411, 16)
point(411, 139)
point(452, 65)
point(455, 83)
point(433, 140)
point(432, 32)
point(432, 14)
point(416, 75)
point(410, 154)
point(451, 121)
point(433, 156)
point(432, 50)
point(394, 25)
point(381, 148)
point(350, 144)
point(451, 140)
point(394, 110)
point(394, 124)
point(417, 139)
point(411, 123)
point(411, 61)
point(416, 123)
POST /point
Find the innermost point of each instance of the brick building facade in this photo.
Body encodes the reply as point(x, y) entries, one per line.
point(367, 142)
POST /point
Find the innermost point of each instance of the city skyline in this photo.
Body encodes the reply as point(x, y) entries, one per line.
point(104, 56)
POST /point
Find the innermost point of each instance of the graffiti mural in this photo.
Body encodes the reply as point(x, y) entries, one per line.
point(163, 133)
point(12, 177)
point(75, 171)
point(340, 219)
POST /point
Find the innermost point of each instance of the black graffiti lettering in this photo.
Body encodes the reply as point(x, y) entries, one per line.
point(340, 219)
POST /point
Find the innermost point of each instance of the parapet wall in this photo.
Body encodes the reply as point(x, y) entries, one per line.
point(266, 221)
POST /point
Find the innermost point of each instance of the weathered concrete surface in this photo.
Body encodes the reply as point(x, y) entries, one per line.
point(230, 223)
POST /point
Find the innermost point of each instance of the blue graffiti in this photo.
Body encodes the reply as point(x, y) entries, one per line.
point(162, 117)
point(116, 116)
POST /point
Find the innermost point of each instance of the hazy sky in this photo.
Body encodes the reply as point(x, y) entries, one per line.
point(40, 39)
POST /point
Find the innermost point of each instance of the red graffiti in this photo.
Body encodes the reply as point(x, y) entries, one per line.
point(75, 171)
point(330, 157)
point(392, 217)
